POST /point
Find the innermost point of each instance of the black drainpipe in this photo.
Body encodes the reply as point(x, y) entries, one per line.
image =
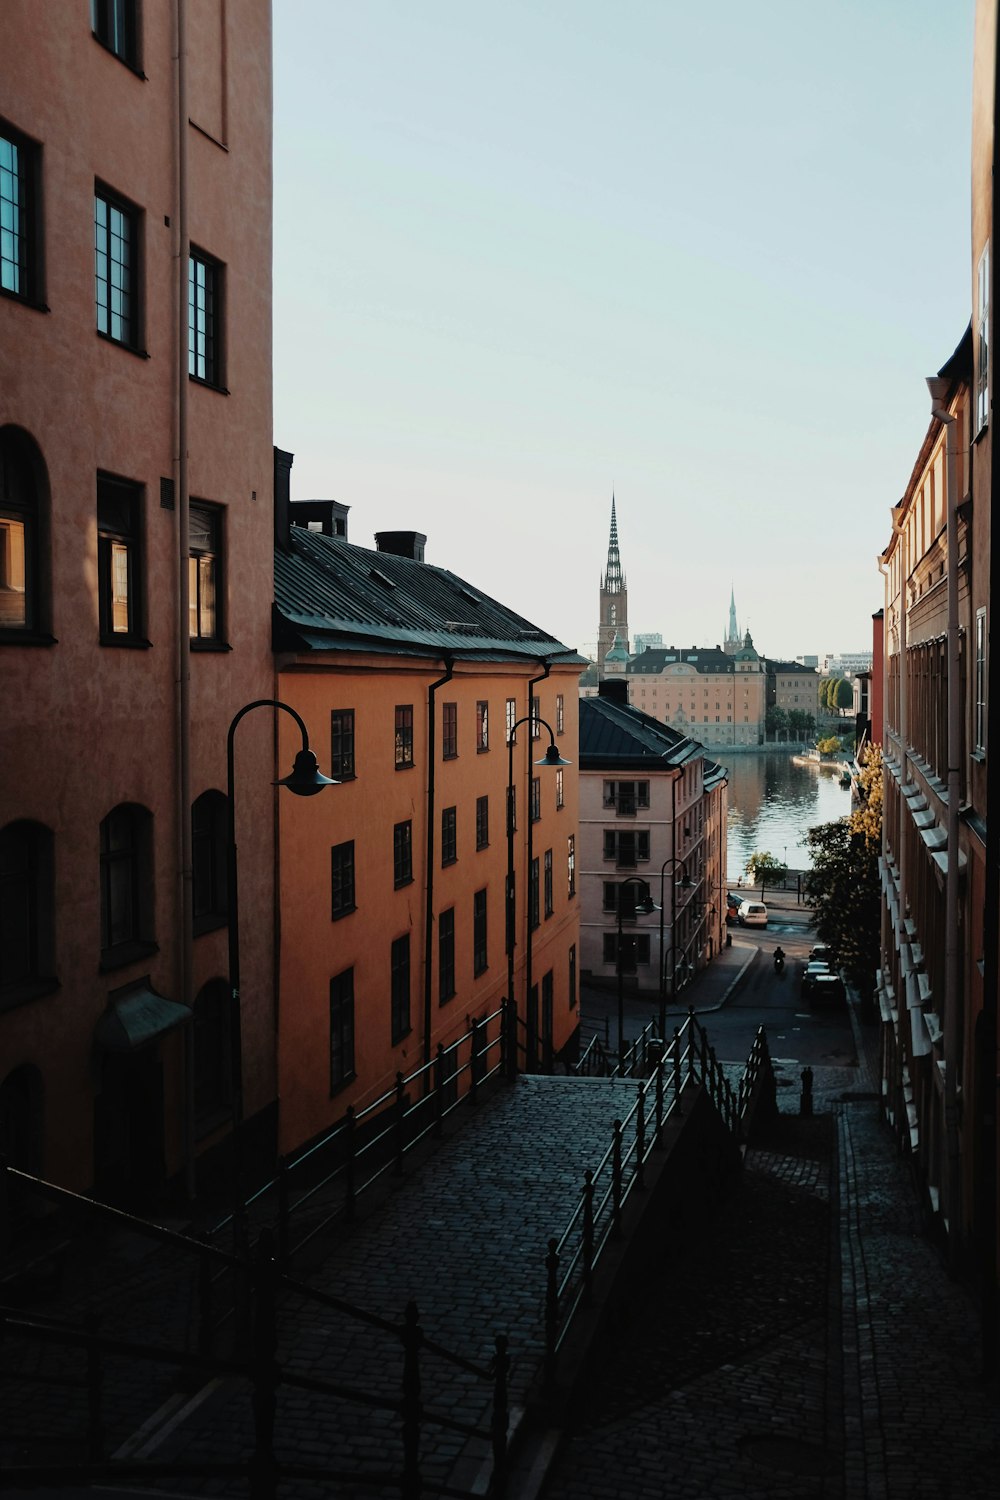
point(531, 1037)
point(429, 875)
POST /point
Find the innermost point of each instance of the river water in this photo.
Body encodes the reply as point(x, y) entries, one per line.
point(773, 803)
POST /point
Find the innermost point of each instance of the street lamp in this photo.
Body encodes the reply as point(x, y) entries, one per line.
point(646, 906)
point(305, 779)
point(550, 758)
point(685, 884)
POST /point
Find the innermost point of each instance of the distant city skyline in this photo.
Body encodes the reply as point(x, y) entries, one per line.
point(702, 257)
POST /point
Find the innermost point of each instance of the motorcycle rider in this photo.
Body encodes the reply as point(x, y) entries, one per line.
point(779, 957)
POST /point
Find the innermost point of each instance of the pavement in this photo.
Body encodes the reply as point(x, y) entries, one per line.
point(809, 1343)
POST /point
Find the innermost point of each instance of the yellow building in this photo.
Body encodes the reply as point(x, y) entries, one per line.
point(716, 697)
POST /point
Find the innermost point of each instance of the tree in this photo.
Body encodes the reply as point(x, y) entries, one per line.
point(762, 866)
point(776, 722)
point(801, 725)
point(843, 885)
point(843, 697)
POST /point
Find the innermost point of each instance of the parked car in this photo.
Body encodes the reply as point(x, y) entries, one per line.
point(821, 953)
point(752, 914)
point(812, 971)
point(827, 989)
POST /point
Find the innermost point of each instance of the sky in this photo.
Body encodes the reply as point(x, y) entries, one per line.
point(532, 253)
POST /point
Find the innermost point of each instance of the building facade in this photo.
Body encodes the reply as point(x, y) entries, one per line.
point(716, 696)
point(652, 815)
point(392, 885)
point(136, 558)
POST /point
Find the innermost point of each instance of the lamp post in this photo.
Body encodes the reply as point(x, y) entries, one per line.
point(685, 883)
point(550, 758)
point(646, 906)
point(305, 780)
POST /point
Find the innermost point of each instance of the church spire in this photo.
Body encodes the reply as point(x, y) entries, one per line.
point(613, 581)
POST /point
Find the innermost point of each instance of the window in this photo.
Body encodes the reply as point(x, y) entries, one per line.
point(126, 885)
point(19, 258)
point(536, 798)
point(980, 681)
point(510, 712)
point(560, 714)
point(342, 744)
point(342, 876)
point(482, 822)
point(983, 342)
point(626, 796)
point(400, 988)
point(402, 854)
point(627, 847)
point(533, 896)
point(119, 560)
point(536, 713)
point(27, 911)
point(549, 907)
point(560, 795)
point(341, 1030)
point(449, 730)
point(571, 865)
point(479, 932)
point(115, 26)
point(404, 736)
point(213, 1061)
point(209, 841)
point(204, 574)
point(449, 838)
point(635, 949)
point(482, 727)
point(204, 318)
point(116, 268)
point(23, 536)
point(572, 977)
point(446, 955)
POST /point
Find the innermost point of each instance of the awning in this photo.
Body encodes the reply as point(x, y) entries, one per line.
point(136, 1016)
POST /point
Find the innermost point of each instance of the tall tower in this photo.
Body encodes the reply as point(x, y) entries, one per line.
point(733, 641)
point(614, 599)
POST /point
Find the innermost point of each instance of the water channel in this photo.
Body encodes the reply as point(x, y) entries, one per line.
point(773, 802)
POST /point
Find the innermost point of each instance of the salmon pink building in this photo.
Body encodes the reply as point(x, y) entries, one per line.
point(135, 582)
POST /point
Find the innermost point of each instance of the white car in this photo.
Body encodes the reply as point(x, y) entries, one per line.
point(752, 914)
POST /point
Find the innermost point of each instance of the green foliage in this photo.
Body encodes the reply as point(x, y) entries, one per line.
point(843, 885)
point(843, 696)
point(801, 725)
point(776, 721)
point(830, 745)
point(762, 866)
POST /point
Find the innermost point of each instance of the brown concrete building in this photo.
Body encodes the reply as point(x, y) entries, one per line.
point(393, 882)
point(135, 579)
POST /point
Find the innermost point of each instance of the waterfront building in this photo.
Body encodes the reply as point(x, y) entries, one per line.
point(649, 798)
point(716, 696)
point(392, 885)
point(792, 686)
point(135, 583)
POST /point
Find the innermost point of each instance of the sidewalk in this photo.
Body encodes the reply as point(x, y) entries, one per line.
point(811, 1345)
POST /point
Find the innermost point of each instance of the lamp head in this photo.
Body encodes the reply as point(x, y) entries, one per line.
point(305, 778)
point(552, 757)
point(646, 906)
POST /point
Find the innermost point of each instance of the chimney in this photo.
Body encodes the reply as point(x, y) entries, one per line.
point(326, 516)
point(402, 543)
point(615, 688)
point(282, 494)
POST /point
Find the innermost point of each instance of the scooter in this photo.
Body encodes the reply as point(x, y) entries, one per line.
point(779, 960)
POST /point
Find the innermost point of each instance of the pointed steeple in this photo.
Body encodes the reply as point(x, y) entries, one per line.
point(733, 633)
point(614, 580)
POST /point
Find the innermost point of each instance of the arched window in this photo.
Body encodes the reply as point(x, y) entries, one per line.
point(126, 885)
point(213, 1058)
point(209, 820)
point(24, 492)
point(27, 908)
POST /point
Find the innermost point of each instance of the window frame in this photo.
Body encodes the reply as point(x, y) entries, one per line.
point(446, 955)
point(132, 321)
point(449, 836)
point(399, 989)
point(480, 932)
point(342, 1005)
point(534, 912)
point(213, 518)
point(209, 861)
point(536, 799)
point(24, 505)
point(135, 859)
point(981, 392)
point(342, 733)
point(115, 489)
point(560, 714)
point(510, 719)
point(211, 327)
point(127, 47)
point(482, 726)
point(25, 175)
point(570, 866)
point(482, 823)
point(572, 979)
point(404, 737)
point(449, 731)
point(402, 853)
point(560, 789)
point(343, 889)
point(549, 896)
point(980, 684)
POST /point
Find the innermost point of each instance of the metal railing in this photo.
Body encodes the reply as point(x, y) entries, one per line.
point(255, 1361)
point(688, 1059)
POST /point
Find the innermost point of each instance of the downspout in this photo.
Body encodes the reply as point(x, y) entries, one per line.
point(429, 873)
point(532, 1039)
point(183, 748)
point(938, 386)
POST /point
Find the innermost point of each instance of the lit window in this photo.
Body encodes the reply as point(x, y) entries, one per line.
point(23, 602)
point(404, 736)
point(119, 560)
point(204, 570)
point(482, 726)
